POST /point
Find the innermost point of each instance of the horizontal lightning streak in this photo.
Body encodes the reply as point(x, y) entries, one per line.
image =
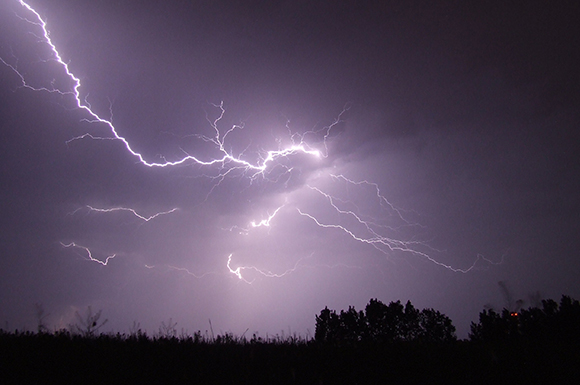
point(135, 213)
point(266, 273)
point(183, 269)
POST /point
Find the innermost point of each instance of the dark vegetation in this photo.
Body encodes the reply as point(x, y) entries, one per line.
point(381, 323)
point(391, 343)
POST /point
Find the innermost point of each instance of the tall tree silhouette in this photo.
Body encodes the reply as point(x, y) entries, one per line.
point(435, 327)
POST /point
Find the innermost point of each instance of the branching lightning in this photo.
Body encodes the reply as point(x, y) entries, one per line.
point(263, 272)
point(89, 254)
point(226, 161)
point(266, 222)
point(369, 232)
point(255, 224)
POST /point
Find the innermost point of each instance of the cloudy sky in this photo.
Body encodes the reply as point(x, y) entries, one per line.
point(434, 156)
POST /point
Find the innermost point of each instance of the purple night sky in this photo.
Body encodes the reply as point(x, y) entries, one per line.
point(435, 155)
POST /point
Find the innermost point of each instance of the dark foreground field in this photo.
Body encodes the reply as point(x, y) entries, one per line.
point(30, 358)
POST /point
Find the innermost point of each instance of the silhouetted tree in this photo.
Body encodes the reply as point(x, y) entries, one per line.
point(352, 325)
point(326, 326)
point(89, 324)
point(410, 329)
point(551, 322)
point(383, 323)
point(435, 327)
point(491, 327)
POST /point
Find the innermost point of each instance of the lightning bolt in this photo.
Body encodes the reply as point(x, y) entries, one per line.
point(89, 254)
point(135, 213)
point(254, 224)
point(187, 271)
point(263, 272)
point(266, 222)
point(228, 164)
point(218, 140)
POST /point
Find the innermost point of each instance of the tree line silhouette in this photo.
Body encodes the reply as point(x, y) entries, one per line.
point(550, 322)
point(384, 343)
point(380, 323)
point(383, 323)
